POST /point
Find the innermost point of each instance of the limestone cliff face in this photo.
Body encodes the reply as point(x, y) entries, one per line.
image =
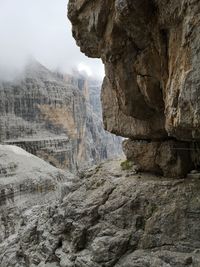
point(50, 116)
point(151, 54)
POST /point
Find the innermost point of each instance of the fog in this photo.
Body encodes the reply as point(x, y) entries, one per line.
point(40, 29)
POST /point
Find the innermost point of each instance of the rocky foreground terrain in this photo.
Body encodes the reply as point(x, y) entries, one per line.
point(55, 117)
point(106, 217)
point(25, 182)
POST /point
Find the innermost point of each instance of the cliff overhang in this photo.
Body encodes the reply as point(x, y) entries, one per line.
point(151, 54)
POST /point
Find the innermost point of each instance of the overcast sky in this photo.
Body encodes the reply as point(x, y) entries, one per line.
point(40, 29)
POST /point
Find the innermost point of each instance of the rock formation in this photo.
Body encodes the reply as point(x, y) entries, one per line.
point(51, 116)
point(25, 181)
point(108, 218)
point(150, 49)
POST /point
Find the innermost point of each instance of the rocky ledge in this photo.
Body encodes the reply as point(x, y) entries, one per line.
point(111, 218)
point(151, 54)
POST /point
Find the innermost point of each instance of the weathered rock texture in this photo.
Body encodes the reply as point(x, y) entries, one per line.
point(151, 54)
point(109, 218)
point(168, 158)
point(25, 181)
point(52, 116)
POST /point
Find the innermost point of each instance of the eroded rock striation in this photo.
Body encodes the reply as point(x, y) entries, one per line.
point(54, 117)
point(151, 54)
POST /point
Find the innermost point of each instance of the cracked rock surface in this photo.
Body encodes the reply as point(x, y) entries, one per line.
point(109, 217)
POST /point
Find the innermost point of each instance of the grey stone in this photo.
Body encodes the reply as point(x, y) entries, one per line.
point(110, 221)
point(56, 117)
point(151, 54)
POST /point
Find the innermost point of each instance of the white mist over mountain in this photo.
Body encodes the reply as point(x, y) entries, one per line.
point(40, 29)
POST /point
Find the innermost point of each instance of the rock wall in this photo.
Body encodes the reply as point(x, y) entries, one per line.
point(151, 54)
point(50, 115)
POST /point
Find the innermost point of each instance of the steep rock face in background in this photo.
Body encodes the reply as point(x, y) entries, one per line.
point(49, 115)
point(151, 54)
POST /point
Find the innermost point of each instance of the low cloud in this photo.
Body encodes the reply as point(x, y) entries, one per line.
point(39, 29)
